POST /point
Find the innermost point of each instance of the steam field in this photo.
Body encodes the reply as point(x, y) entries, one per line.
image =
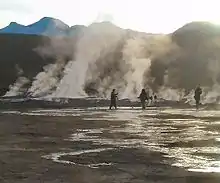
point(91, 145)
point(49, 135)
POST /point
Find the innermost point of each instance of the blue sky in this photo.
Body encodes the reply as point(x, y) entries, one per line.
point(144, 15)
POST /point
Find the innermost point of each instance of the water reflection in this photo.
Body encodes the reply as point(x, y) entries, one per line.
point(191, 142)
point(191, 139)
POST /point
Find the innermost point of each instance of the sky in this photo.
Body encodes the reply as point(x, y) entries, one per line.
point(152, 16)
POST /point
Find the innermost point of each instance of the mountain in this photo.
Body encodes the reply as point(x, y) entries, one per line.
point(192, 34)
point(180, 60)
point(17, 51)
point(46, 26)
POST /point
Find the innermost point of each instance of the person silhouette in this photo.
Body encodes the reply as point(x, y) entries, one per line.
point(113, 102)
point(197, 96)
point(143, 97)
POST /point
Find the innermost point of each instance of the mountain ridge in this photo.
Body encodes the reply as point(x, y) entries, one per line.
point(46, 26)
point(178, 60)
point(49, 26)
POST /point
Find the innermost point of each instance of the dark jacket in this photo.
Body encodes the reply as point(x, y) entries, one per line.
point(143, 96)
point(114, 96)
point(198, 92)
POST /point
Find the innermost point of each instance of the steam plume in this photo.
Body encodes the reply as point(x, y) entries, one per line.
point(46, 81)
point(90, 47)
point(105, 57)
point(16, 88)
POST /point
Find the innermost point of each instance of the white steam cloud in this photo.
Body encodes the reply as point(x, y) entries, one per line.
point(47, 80)
point(134, 54)
point(104, 57)
point(16, 88)
point(90, 47)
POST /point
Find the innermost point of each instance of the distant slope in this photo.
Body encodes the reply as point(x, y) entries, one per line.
point(200, 58)
point(180, 60)
point(28, 54)
point(17, 50)
point(192, 34)
point(46, 26)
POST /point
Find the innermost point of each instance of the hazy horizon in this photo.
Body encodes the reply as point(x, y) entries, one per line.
point(156, 16)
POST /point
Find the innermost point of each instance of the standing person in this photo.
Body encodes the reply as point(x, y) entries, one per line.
point(197, 94)
point(151, 99)
point(114, 96)
point(148, 98)
point(155, 97)
point(143, 97)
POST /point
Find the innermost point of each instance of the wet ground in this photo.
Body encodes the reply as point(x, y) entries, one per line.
point(97, 145)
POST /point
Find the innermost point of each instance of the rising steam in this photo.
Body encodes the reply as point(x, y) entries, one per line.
point(104, 56)
point(60, 49)
point(16, 88)
point(47, 80)
point(93, 45)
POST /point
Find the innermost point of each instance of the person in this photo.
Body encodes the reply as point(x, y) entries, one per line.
point(114, 96)
point(143, 97)
point(197, 94)
point(155, 97)
point(151, 99)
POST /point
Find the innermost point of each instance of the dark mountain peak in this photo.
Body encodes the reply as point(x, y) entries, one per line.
point(205, 27)
point(78, 27)
point(49, 21)
point(76, 30)
point(13, 23)
point(45, 26)
point(195, 33)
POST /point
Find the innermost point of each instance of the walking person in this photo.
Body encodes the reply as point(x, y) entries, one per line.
point(114, 97)
point(143, 97)
point(197, 96)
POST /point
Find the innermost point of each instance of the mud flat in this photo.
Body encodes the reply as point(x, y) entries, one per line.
point(7, 103)
point(83, 146)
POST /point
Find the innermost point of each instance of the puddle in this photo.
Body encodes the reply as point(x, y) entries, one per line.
point(188, 142)
point(56, 157)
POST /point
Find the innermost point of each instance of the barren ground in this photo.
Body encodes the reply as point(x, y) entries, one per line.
point(92, 146)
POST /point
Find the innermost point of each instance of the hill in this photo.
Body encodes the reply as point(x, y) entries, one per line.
point(17, 51)
point(103, 56)
point(46, 26)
